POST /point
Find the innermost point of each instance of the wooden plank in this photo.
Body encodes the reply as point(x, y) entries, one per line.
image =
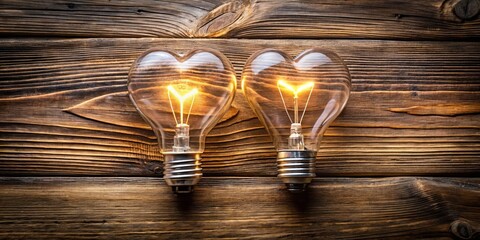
point(413, 110)
point(240, 208)
point(372, 19)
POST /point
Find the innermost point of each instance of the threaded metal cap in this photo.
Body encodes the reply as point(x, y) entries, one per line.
point(296, 168)
point(182, 171)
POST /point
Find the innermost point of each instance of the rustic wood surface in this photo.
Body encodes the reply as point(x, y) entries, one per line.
point(412, 122)
point(372, 19)
point(239, 208)
point(414, 110)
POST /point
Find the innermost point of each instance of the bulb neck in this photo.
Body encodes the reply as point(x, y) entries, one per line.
point(296, 168)
point(295, 140)
point(181, 140)
point(182, 171)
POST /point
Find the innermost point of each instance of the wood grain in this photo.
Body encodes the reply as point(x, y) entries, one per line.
point(64, 110)
point(240, 208)
point(367, 19)
point(440, 109)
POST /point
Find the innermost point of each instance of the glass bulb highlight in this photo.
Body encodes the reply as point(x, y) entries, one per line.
point(182, 97)
point(296, 100)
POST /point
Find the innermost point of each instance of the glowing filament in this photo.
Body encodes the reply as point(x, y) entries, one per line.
point(295, 91)
point(181, 99)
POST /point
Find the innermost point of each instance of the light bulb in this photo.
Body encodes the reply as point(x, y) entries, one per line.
point(296, 100)
point(182, 98)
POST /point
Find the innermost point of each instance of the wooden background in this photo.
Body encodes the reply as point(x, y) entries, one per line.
point(401, 161)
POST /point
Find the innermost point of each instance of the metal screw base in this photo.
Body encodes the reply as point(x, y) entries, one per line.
point(296, 168)
point(182, 171)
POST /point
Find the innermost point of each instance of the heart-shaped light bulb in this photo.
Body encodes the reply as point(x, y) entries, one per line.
point(182, 98)
point(296, 100)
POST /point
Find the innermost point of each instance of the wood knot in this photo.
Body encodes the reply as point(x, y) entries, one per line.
point(222, 19)
point(467, 9)
point(398, 16)
point(463, 230)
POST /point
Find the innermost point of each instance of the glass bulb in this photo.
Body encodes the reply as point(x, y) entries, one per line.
point(182, 98)
point(296, 100)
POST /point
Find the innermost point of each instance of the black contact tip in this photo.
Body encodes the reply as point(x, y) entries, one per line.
point(182, 189)
point(296, 187)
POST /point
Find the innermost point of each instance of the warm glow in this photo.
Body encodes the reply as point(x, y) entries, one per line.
point(181, 99)
point(308, 85)
point(295, 92)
